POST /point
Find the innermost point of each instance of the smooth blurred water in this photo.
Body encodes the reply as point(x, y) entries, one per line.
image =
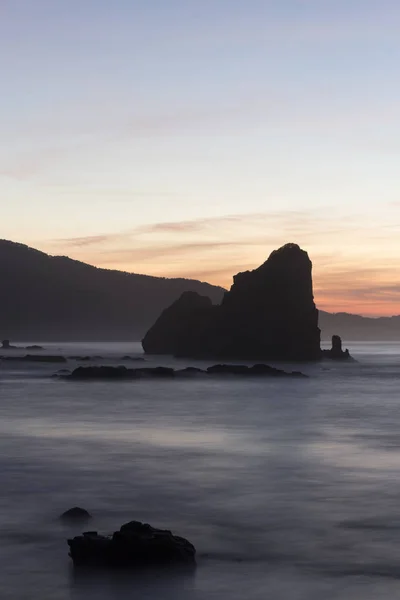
point(288, 488)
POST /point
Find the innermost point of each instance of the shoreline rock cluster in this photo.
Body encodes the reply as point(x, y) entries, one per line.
point(56, 358)
point(123, 373)
point(38, 358)
point(6, 345)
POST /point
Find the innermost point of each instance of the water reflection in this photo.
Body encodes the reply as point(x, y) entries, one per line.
point(119, 585)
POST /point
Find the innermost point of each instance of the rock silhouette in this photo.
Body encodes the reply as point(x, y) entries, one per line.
point(75, 514)
point(134, 545)
point(35, 358)
point(122, 373)
point(269, 313)
point(336, 352)
point(6, 345)
point(180, 325)
point(259, 370)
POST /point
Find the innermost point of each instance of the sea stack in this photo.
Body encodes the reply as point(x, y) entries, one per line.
point(337, 352)
point(269, 313)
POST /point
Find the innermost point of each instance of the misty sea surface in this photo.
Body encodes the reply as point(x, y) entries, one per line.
point(288, 488)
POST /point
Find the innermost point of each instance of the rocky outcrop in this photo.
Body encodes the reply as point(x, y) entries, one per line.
point(75, 515)
point(336, 352)
point(255, 371)
point(180, 325)
point(122, 373)
point(269, 313)
point(102, 372)
point(35, 358)
point(5, 345)
point(61, 374)
point(84, 358)
point(134, 545)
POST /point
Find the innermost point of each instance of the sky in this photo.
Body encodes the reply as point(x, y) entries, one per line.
point(192, 138)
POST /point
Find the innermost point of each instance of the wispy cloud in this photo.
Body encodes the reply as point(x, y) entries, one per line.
point(215, 248)
point(90, 240)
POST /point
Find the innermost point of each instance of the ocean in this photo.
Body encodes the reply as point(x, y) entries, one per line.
point(288, 488)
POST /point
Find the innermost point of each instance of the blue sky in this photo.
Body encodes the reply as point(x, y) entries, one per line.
point(191, 138)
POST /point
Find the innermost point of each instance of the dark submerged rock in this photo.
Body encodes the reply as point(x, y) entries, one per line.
point(134, 545)
point(298, 374)
point(36, 358)
point(61, 374)
point(41, 358)
point(84, 358)
point(76, 514)
point(336, 352)
point(155, 372)
point(190, 372)
point(259, 370)
point(269, 313)
point(34, 347)
point(262, 370)
point(228, 370)
point(103, 372)
point(122, 373)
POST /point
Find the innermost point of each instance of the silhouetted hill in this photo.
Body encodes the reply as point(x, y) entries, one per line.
point(56, 298)
point(354, 327)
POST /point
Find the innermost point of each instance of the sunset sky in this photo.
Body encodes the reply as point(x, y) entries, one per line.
point(191, 138)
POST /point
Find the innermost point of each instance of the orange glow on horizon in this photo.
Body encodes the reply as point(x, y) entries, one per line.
point(355, 268)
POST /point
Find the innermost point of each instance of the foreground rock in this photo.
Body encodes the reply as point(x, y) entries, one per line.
point(122, 373)
point(134, 545)
point(269, 313)
point(75, 514)
point(337, 352)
